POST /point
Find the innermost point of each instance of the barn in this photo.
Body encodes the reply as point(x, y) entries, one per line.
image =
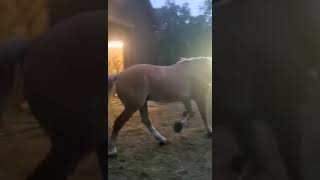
point(20, 19)
point(131, 26)
point(61, 9)
point(131, 40)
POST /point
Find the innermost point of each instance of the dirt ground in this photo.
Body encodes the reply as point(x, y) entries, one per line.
point(24, 145)
point(187, 156)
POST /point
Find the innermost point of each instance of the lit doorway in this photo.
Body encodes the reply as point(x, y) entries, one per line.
point(115, 57)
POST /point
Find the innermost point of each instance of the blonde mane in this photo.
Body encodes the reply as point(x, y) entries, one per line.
point(193, 59)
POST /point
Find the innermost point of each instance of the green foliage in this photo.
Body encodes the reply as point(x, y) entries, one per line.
point(182, 35)
point(206, 8)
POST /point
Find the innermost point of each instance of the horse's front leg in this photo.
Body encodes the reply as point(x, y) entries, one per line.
point(178, 126)
point(147, 122)
point(201, 103)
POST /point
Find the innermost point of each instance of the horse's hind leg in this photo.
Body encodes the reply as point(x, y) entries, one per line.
point(242, 129)
point(59, 163)
point(288, 135)
point(118, 124)
point(102, 156)
point(147, 122)
point(72, 136)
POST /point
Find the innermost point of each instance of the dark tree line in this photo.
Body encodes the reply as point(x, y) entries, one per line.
point(181, 35)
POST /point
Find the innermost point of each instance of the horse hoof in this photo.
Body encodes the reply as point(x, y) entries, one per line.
point(185, 113)
point(112, 153)
point(112, 156)
point(238, 163)
point(178, 127)
point(210, 134)
point(163, 142)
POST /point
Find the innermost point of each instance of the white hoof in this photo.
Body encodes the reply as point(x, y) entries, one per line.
point(112, 152)
point(210, 133)
point(162, 141)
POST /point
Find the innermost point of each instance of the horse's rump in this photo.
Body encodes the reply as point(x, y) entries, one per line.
point(111, 85)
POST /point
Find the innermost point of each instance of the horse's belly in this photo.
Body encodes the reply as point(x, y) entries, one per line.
point(164, 98)
point(168, 95)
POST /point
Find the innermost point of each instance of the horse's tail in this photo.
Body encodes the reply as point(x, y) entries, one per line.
point(11, 55)
point(111, 84)
point(12, 52)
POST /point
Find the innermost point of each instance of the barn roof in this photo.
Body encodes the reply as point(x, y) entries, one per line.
point(115, 15)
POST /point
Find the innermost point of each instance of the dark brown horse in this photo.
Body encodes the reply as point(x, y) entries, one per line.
point(263, 51)
point(66, 87)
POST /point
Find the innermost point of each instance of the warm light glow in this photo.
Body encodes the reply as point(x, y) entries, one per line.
point(115, 44)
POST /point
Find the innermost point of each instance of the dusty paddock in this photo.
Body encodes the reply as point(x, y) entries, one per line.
point(26, 145)
point(187, 156)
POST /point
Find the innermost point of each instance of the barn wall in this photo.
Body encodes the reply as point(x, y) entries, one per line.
point(28, 19)
point(20, 18)
point(118, 32)
point(60, 9)
point(142, 39)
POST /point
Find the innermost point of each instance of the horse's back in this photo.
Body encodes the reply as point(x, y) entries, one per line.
point(131, 85)
point(159, 83)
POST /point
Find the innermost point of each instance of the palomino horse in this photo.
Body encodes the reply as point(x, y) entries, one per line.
point(65, 85)
point(184, 81)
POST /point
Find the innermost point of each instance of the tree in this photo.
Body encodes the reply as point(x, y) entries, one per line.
point(182, 35)
point(206, 9)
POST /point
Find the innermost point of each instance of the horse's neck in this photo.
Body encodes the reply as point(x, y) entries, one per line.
point(194, 72)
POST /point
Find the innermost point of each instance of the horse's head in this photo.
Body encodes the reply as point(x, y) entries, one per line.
point(199, 66)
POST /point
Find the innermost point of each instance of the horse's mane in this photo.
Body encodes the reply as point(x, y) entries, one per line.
point(185, 60)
